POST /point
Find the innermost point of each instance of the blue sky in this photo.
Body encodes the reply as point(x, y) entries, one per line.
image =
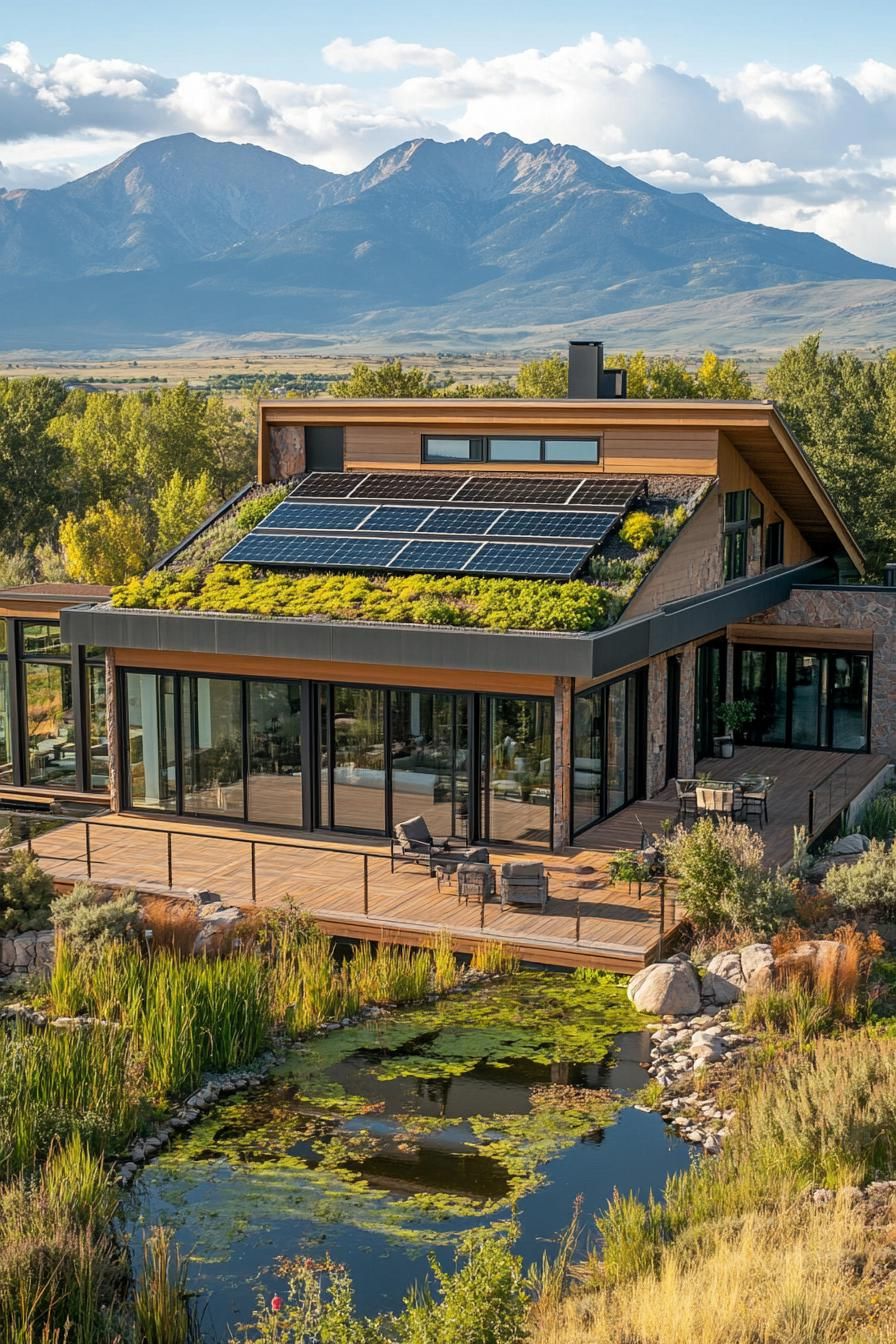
point(782, 112)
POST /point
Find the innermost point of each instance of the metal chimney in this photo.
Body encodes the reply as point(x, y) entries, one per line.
point(587, 379)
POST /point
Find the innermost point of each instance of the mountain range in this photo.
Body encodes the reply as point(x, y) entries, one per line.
point(453, 245)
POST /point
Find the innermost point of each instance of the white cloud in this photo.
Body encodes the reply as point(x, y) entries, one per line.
point(801, 148)
point(384, 53)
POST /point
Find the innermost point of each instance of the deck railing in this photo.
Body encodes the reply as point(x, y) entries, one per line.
point(86, 850)
point(828, 798)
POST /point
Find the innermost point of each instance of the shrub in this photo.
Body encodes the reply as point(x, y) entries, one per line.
point(25, 894)
point(639, 530)
point(869, 884)
point(722, 880)
point(254, 511)
point(877, 818)
point(90, 916)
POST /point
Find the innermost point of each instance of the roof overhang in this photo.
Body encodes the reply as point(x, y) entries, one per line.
point(540, 654)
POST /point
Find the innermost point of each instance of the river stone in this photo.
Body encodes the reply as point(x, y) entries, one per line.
point(666, 987)
point(724, 978)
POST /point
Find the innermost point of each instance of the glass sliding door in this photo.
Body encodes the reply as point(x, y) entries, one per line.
point(50, 725)
point(763, 678)
point(588, 759)
point(848, 678)
point(97, 729)
point(430, 759)
point(710, 673)
point(274, 788)
point(150, 741)
point(355, 765)
point(517, 755)
point(6, 772)
point(212, 746)
point(805, 701)
point(617, 759)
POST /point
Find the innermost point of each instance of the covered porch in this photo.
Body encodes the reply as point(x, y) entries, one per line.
point(811, 789)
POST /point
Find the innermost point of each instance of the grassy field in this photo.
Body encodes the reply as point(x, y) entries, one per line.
point(161, 368)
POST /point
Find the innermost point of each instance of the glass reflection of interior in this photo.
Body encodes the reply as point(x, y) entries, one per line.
point(275, 752)
point(588, 759)
point(212, 738)
point(150, 745)
point(517, 756)
point(50, 725)
point(826, 695)
point(359, 758)
point(430, 760)
point(98, 738)
point(5, 735)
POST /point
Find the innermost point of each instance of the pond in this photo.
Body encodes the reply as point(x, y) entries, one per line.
point(381, 1143)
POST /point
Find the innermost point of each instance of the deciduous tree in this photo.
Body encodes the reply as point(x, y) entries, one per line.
point(107, 545)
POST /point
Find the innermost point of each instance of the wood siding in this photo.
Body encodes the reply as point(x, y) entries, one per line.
point(364, 674)
point(654, 451)
point(801, 637)
point(735, 474)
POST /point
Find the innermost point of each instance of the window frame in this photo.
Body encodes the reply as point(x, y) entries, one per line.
point(775, 529)
point(481, 449)
point(745, 527)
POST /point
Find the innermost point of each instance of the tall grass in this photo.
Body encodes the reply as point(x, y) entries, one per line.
point(307, 986)
point(494, 959)
point(390, 974)
point(446, 969)
point(162, 1311)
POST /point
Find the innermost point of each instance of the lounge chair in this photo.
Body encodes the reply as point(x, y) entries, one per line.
point(524, 884)
point(414, 843)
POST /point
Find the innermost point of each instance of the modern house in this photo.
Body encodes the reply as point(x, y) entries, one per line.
point(745, 586)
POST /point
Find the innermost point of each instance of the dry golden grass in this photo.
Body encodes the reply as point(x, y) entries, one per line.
point(794, 1275)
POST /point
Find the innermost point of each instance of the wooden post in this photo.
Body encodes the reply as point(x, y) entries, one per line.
point(561, 830)
point(87, 848)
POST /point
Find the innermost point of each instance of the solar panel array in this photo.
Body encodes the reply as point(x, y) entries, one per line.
point(444, 523)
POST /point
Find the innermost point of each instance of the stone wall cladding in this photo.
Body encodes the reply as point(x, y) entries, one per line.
point(656, 716)
point(854, 608)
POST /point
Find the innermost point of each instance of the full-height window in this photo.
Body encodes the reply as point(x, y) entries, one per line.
point(607, 749)
point(711, 675)
point(5, 725)
point(212, 746)
point(275, 752)
point(97, 727)
point(430, 759)
point(51, 747)
point(742, 534)
point(150, 741)
point(805, 698)
point(517, 754)
point(353, 758)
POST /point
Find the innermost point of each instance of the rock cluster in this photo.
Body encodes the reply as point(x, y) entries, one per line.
point(27, 953)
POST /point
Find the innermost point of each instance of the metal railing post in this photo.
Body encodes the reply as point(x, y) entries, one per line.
point(87, 848)
point(252, 856)
point(170, 861)
point(366, 885)
point(811, 826)
point(578, 917)
point(662, 917)
point(482, 912)
point(28, 841)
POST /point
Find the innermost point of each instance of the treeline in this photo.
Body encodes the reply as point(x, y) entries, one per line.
point(94, 485)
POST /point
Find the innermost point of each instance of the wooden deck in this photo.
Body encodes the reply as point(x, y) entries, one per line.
point(589, 921)
point(836, 776)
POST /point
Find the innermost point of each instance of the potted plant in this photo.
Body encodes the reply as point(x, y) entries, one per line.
point(736, 715)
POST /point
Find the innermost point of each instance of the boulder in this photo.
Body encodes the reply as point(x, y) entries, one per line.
point(817, 958)
point(724, 979)
point(755, 960)
point(7, 954)
point(849, 844)
point(666, 987)
point(24, 950)
point(44, 950)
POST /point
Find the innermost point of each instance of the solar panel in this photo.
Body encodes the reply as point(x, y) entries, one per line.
point(612, 493)
point(410, 485)
point(316, 517)
point(472, 522)
point(344, 552)
point(535, 562)
point(591, 527)
point(518, 489)
point(446, 556)
point(328, 484)
point(395, 518)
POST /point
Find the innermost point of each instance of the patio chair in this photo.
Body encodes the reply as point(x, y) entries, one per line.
point(713, 801)
point(524, 884)
point(476, 882)
point(686, 793)
point(755, 804)
point(414, 843)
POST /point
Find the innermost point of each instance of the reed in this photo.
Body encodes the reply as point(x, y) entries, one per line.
point(446, 969)
point(495, 959)
point(390, 974)
point(162, 1312)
